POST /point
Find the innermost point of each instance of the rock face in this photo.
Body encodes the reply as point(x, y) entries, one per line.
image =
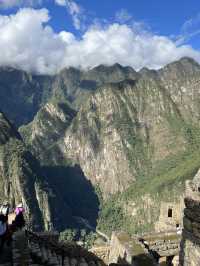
point(190, 244)
point(23, 94)
point(48, 126)
point(18, 179)
point(62, 177)
point(135, 133)
point(123, 129)
point(21, 181)
point(126, 126)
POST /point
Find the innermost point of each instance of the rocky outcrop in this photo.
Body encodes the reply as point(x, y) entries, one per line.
point(190, 244)
point(48, 126)
point(23, 94)
point(17, 172)
point(117, 133)
point(21, 181)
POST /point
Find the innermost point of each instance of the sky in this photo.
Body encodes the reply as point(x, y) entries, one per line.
point(44, 36)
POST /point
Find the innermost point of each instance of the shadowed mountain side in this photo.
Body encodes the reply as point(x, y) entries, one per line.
point(7, 130)
point(76, 191)
point(23, 94)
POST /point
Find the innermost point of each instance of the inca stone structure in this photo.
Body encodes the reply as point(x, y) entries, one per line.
point(30, 249)
point(150, 249)
point(128, 250)
point(171, 216)
point(190, 244)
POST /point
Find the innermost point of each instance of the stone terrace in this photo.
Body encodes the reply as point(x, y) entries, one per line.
point(29, 249)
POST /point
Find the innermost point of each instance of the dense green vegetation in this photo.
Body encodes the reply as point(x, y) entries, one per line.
point(83, 237)
point(165, 182)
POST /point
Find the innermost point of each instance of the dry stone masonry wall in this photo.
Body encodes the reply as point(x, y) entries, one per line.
point(29, 249)
point(190, 244)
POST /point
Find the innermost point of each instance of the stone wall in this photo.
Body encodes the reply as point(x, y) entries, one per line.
point(33, 249)
point(101, 252)
point(190, 244)
point(171, 216)
point(128, 250)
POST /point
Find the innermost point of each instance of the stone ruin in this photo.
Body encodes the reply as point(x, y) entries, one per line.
point(30, 249)
point(171, 216)
point(190, 244)
point(151, 249)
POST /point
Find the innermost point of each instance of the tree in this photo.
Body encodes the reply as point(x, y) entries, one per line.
point(68, 235)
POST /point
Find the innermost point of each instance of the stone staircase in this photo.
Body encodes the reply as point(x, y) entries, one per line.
point(29, 249)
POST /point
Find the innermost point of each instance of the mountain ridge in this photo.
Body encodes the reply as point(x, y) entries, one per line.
point(118, 128)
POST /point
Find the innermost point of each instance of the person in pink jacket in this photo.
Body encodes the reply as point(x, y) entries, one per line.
point(19, 209)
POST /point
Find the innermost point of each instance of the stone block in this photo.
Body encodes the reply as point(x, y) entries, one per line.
point(73, 262)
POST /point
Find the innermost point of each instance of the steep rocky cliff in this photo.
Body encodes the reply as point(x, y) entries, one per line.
point(124, 128)
point(18, 180)
point(63, 176)
point(48, 126)
point(117, 134)
point(21, 181)
point(132, 134)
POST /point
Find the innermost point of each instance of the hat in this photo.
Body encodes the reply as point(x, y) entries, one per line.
point(20, 205)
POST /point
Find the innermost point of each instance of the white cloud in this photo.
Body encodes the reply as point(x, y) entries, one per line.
point(28, 42)
point(60, 2)
point(13, 3)
point(76, 12)
point(189, 30)
point(123, 16)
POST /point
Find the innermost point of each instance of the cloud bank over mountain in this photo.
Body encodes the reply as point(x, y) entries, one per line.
point(28, 42)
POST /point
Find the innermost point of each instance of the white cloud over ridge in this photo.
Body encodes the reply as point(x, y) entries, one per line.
point(29, 43)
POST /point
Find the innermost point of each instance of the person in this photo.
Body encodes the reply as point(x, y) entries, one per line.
point(19, 221)
point(4, 209)
point(3, 230)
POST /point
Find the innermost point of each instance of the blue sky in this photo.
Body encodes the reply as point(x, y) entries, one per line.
point(178, 21)
point(163, 17)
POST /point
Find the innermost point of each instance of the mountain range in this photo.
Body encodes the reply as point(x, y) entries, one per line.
point(108, 144)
